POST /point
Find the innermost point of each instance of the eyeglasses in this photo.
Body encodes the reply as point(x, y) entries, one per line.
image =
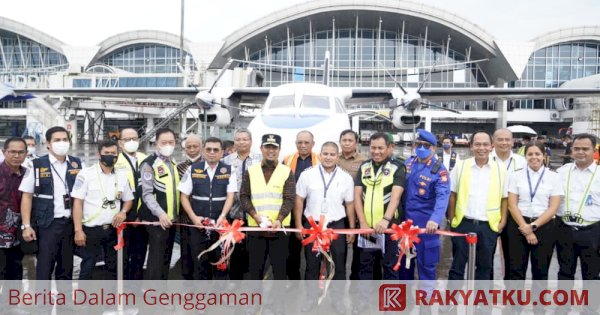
point(214, 150)
point(16, 153)
point(427, 145)
point(130, 139)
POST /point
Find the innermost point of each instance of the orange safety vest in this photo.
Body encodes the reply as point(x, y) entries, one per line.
point(292, 159)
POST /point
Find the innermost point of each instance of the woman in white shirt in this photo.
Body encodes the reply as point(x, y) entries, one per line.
point(533, 199)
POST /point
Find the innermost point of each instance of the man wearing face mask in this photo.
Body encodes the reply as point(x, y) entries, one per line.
point(30, 152)
point(46, 204)
point(136, 240)
point(97, 197)
point(447, 155)
point(160, 178)
point(193, 153)
point(425, 202)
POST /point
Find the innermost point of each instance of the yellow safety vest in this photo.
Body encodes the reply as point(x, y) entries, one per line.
point(268, 198)
point(123, 165)
point(164, 188)
point(377, 190)
point(495, 192)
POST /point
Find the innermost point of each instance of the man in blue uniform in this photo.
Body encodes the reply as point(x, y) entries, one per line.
point(425, 202)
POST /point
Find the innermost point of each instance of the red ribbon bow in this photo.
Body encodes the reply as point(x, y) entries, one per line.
point(319, 236)
point(407, 235)
point(233, 229)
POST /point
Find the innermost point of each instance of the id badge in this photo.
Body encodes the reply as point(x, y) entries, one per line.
point(588, 201)
point(324, 206)
point(67, 201)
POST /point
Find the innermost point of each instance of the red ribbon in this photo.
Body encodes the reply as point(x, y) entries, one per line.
point(407, 235)
point(234, 229)
point(318, 235)
point(120, 239)
point(230, 235)
point(471, 239)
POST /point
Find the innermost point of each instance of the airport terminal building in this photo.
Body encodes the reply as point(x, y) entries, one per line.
point(371, 43)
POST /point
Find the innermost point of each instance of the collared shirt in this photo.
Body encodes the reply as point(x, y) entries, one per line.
point(10, 204)
point(185, 165)
point(311, 186)
point(351, 164)
point(95, 188)
point(302, 164)
point(289, 192)
point(446, 157)
point(514, 162)
point(29, 161)
point(575, 189)
point(186, 185)
point(478, 191)
point(148, 186)
point(59, 180)
point(239, 167)
point(549, 186)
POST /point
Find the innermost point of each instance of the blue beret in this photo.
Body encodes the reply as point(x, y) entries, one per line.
point(425, 135)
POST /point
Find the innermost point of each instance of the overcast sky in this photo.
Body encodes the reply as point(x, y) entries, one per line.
point(88, 22)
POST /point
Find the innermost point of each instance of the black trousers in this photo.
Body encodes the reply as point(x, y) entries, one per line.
point(486, 246)
point(504, 240)
point(293, 262)
point(262, 245)
point(338, 250)
point(11, 265)
point(55, 250)
point(520, 252)
point(573, 243)
point(136, 246)
point(238, 265)
point(368, 258)
point(193, 242)
point(160, 250)
point(98, 239)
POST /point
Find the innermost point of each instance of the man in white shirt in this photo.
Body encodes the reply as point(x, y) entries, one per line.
point(97, 197)
point(477, 204)
point(578, 217)
point(503, 142)
point(207, 193)
point(30, 151)
point(448, 156)
point(329, 192)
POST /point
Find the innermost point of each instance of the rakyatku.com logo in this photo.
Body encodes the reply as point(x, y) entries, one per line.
point(392, 297)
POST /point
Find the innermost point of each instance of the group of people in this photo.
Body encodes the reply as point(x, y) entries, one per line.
point(57, 202)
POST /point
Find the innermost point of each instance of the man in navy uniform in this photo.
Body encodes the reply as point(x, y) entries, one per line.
point(425, 202)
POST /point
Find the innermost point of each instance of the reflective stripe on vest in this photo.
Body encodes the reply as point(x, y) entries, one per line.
point(268, 198)
point(166, 187)
point(495, 192)
point(374, 199)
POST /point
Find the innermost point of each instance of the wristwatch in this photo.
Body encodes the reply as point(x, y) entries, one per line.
point(534, 227)
point(25, 226)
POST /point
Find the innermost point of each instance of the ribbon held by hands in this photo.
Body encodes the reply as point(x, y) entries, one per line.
point(230, 235)
point(407, 235)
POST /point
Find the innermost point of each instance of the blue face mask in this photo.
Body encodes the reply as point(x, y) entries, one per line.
point(446, 146)
point(422, 152)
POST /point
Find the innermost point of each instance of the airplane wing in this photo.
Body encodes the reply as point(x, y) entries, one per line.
point(473, 94)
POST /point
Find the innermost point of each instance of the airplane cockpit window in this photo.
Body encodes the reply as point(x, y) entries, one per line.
point(314, 101)
point(339, 106)
point(283, 101)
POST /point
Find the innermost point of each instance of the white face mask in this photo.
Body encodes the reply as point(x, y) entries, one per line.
point(30, 150)
point(60, 148)
point(166, 150)
point(131, 146)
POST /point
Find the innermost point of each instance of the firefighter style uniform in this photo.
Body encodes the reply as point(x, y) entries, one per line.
point(136, 240)
point(426, 199)
point(101, 194)
point(208, 188)
point(51, 181)
point(159, 178)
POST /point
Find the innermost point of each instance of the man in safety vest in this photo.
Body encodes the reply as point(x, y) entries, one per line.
point(304, 158)
point(207, 191)
point(160, 198)
point(136, 239)
point(477, 204)
point(267, 194)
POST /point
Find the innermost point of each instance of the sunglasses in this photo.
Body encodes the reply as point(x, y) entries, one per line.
point(215, 150)
point(427, 145)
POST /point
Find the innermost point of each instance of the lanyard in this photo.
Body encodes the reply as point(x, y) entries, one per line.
point(244, 165)
point(326, 186)
point(587, 190)
point(60, 177)
point(533, 192)
point(508, 166)
point(98, 170)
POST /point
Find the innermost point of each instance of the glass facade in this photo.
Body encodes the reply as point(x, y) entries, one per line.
point(20, 55)
point(552, 66)
point(360, 57)
point(145, 58)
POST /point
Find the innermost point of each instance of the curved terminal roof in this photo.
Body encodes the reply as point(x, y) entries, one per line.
point(31, 33)
point(590, 32)
point(139, 37)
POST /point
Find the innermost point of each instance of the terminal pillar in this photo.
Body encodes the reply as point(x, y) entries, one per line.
point(502, 107)
point(356, 124)
point(427, 121)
